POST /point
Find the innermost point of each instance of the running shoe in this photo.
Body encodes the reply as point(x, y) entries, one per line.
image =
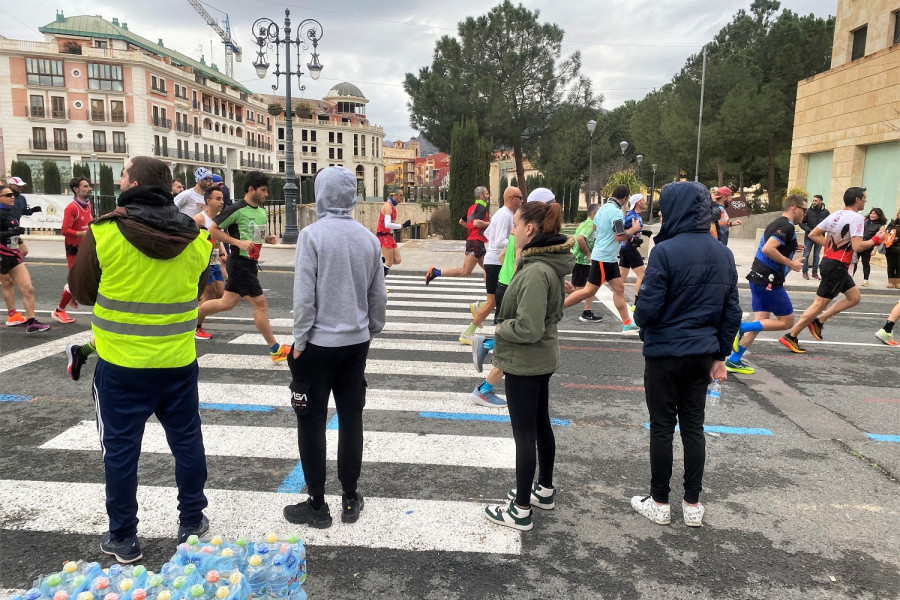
point(737, 340)
point(541, 497)
point(201, 334)
point(61, 316)
point(76, 361)
point(693, 515)
point(815, 328)
point(36, 327)
point(489, 399)
point(479, 352)
point(15, 319)
point(282, 354)
point(466, 338)
point(589, 317)
point(474, 307)
point(792, 343)
point(429, 276)
point(630, 328)
point(509, 516)
point(127, 550)
point(886, 338)
point(739, 367)
point(645, 505)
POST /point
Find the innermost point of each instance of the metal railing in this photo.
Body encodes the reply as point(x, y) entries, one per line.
point(43, 113)
point(256, 164)
point(37, 144)
point(160, 122)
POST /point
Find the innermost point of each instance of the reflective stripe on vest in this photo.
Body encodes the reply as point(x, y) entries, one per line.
point(146, 309)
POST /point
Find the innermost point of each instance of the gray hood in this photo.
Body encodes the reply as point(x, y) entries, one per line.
point(335, 192)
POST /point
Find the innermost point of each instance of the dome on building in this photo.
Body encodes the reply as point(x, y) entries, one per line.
point(346, 90)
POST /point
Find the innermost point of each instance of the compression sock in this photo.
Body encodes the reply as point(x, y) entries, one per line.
point(387, 270)
point(88, 348)
point(436, 272)
point(751, 326)
point(628, 322)
point(64, 301)
point(275, 348)
point(485, 387)
point(489, 344)
point(470, 329)
point(737, 356)
point(12, 311)
point(888, 327)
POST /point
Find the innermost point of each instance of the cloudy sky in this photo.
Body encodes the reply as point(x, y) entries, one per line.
point(628, 48)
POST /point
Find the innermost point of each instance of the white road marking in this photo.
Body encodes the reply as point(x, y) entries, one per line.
point(422, 305)
point(376, 399)
point(256, 339)
point(28, 355)
point(281, 442)
point(391, 326)
point(260, 362)
point(420, 280)
point(396, 523)
point(409, 292)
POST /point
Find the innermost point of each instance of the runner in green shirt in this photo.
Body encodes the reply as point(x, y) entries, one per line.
point(585, 236)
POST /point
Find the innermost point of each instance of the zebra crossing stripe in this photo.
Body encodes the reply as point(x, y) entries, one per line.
point(392, 523)
point(392, 326)
point(376, 399)
point(23, 357)
point(440, 281)
point(403, 293)
point(281, 443)
point(256, 339)
point(261, 362)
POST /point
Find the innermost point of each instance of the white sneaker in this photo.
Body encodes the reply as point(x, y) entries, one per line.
point(647, 506)
point(693, 515)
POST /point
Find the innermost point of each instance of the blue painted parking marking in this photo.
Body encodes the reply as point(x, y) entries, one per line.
point(236, 407)
point(294, 482)
point(332, 423)
point(880, 437)
point(478, 417)
point(14, 398)
point(729, 430)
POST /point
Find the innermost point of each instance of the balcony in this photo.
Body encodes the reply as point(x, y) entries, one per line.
point(167, 152)
point(184, 128)
point(252, 143)
point(161, 123)
point(37, 144)
point(41, 113)
point(61, 145)
point(207, 108)
point(196, 105)
point(120, 148)
point(100, 148)
point(256, 164)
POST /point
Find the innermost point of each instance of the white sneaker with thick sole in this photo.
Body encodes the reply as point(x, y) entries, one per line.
point(693, 515)
point(647, 506)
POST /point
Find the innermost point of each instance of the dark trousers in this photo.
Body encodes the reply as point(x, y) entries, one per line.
point(865, 257)
point(810, 247)
point(124, 399)
point(319, 372)
point(893, 262)
point(676, 394)
point(528, 401)
point(498, 298)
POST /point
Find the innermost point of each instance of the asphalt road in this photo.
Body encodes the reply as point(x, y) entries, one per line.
point(801, 501)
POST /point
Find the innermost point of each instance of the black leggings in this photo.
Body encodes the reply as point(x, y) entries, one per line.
point(528, 399)
point(864, 257)
point(893, 262)
point(316, 374)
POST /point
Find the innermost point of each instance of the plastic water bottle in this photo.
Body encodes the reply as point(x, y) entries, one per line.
point(52, 584)
point(216, 544)
point(153, 587)
point(99, 587)
point(211, 583)
point(277, 581)
point(33, 594)
point(714, 393)
point(197, 592)
point(222, 593)
point(240, 552)
point(256, 576)
point(61, 595)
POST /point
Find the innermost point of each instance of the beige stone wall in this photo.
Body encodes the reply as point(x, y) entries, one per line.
point(845, 110)
point(876, 15)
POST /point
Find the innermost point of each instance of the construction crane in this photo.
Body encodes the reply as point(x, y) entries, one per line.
point(232, 50)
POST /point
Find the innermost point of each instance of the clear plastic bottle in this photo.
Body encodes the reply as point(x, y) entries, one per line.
point(216, 544)
point(211, 583)
point(85, 596)
point(256, 576)
point(99, 587)
point(277, 580)
point(61, 595)
point(52, 584)
point(33, 594)
point(240, 552)
point(714, 393)
point(222, 593)
point(197, 592)
point(152, 587)
point(139, 594)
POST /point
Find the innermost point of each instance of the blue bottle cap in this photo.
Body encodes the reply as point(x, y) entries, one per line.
point(33, 594)
point(115, 570)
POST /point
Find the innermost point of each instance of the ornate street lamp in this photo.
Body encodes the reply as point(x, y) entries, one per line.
point(591, 125)
point(94, 186)
point(652, 189)
point(639, 159)
point(624, 146)
point(268, 33)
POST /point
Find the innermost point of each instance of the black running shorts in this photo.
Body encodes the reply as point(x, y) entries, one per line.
point(491, 276)
point(242, 276)
point(580, 275)
point(630, 258)
point(835, 279)
point(601, 272)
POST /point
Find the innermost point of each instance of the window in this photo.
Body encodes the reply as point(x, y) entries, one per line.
point(859, 43)
point(355, 144)
point(281, 133)
point(117, 111)
point(340, 153)
point(105, 77)
point(313, 167)
point(158, 84)
point(58, 107)
point(119, 142)
point(39, 138)
point(97, 110)
point(303, 133)
point(281, 166)
point(312, 137)
point(99, 141)
point(37, 106)
point(340, 138)
point(281, 147)
point(42, 71)
point(897, 27)
point(363, 145)
point(331, 153)
point(312, 149)
point(101, 44)
point(60, 141)
point(330, 137)
point(305, 168)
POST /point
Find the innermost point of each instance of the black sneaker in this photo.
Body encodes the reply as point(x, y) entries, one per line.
point(792, 343)
point(350, 509)
point(589, 317)
point(126, 551)
point(303, 513)
point(185, 531)
point(815, 328)
point(429, 276)
point(76, 360)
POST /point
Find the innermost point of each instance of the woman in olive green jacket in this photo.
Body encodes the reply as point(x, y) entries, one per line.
point(527, 351)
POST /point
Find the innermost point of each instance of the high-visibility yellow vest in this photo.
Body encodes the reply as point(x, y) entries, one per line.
point(146, 310)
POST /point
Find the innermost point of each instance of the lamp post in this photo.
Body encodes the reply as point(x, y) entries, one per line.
point(267, 32)
point(591, 125)
point(94, 183)
point(652, 189)
point(639, 159)
point(624, 146)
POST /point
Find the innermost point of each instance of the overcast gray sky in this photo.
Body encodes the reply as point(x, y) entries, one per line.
point(628, 48)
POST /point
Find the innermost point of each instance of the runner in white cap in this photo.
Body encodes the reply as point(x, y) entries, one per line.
point(629, 255)
point(190, 202)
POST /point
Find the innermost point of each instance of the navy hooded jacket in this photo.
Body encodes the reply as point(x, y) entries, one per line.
point(688, 304)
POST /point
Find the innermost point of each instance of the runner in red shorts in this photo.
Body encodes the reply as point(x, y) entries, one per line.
point(387, 224)
point(476, 221)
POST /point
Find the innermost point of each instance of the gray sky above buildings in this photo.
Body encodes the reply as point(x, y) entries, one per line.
point(628, 48)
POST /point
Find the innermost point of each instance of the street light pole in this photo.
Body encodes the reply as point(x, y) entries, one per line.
point(267, 33)
point(591, 125)
point(94, 186)
point(652, 190)
point(639, 159)
point(624, 146)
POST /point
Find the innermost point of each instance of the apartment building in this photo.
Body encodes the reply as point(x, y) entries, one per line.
point(95, 92)
point(847, 120)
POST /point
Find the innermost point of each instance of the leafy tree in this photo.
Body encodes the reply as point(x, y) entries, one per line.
point(504, 70)
point(276, 188)
point(21, 169)
point(237, 192)
point(52, 183)
point(503, 185)
point(464, 174)
point(106, 181)
point(82, 170)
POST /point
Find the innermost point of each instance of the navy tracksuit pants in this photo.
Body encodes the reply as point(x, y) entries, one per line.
point(124, 399)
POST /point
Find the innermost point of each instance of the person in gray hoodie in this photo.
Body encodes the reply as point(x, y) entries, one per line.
point(339, 304)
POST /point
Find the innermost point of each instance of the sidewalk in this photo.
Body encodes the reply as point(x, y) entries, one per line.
point(418, 255)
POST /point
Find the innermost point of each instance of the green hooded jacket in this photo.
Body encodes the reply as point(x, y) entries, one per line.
point(526, 339)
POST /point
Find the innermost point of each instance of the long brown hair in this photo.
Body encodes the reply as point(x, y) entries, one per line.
point(546, 218)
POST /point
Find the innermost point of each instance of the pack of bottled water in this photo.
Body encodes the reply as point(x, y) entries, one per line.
point(269, 569)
